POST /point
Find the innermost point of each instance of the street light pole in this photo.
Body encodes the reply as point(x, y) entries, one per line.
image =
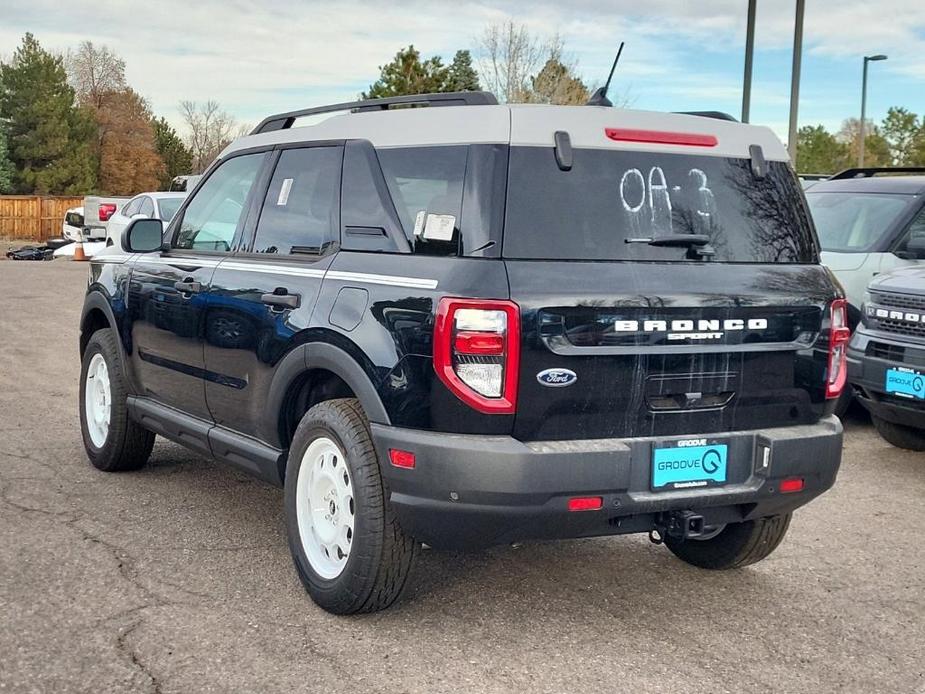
point(795, 81)
point(867, 59)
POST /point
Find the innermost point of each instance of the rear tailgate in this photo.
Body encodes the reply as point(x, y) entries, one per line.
point(671, 264)
point(665, 349)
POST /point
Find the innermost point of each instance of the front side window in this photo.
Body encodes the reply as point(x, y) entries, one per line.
point(854, 222)
point(299, 213)
point(168, 207)
point(213, 216)
point(912, 245)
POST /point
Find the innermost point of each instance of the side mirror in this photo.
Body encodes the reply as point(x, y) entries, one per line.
point(143, 236)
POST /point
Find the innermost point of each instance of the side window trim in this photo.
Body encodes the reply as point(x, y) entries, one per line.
point(395, 230)
point(173, 229)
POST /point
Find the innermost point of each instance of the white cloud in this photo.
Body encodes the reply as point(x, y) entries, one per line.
point(256, 58)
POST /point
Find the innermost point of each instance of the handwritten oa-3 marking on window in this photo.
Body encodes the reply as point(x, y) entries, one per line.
point(654, 196)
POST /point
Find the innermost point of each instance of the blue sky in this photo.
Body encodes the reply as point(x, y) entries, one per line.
point(257, 58)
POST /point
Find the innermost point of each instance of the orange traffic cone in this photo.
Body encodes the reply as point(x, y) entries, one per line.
point(79, 252)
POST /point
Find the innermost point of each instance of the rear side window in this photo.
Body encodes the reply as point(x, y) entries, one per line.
point(610, 197)
point(299, 213)
point(854, 222)
point(426, 185)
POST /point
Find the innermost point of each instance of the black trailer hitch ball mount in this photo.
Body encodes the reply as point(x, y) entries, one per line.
point(682, 525)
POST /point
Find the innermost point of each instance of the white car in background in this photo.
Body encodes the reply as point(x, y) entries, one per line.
point(869, 224)
point(161, 206)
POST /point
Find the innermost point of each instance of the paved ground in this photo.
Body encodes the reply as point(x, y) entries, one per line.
point(177, 578)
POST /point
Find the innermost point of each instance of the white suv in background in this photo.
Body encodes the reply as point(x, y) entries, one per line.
point(869, 224)
point(161, 206)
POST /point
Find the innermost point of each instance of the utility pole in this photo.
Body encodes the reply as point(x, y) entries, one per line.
point(749, 53)
point(795, 81)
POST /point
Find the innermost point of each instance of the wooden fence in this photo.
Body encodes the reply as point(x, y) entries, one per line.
point(36, 217)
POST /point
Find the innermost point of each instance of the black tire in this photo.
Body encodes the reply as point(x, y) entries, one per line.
point(381, 554)
point(737, 545)
point(899, 435)
point(127, 444)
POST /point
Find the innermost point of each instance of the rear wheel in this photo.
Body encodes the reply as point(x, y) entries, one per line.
point(113, 442)
point(899, 435)
point(348, 547)
point(735, 546)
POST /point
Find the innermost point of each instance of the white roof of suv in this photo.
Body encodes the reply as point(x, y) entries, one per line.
point(533, 125)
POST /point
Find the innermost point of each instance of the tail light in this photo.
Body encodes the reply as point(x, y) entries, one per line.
point(839, 335)
point(107, 210)
point(477, 352)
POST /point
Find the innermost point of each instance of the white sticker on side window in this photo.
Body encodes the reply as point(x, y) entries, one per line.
point(419, 223)
point(439, 227)
point(284, 192)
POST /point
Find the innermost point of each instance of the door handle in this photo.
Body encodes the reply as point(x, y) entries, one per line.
point(280, 298)
point(188, 286)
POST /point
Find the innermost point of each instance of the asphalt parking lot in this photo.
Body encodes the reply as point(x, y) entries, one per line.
point(177, 578)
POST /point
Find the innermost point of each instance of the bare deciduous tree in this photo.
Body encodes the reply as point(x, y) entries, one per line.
point(508, 57)
point(209, 129)
point(94, 72)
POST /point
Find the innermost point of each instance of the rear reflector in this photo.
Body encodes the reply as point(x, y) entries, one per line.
point(791, 484)
point(661, 137)
point(403, 459)
point(585, 503)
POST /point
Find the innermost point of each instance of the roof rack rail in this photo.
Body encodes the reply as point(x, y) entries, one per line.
point(283, 121)
point(870, 171)
point(718, 115)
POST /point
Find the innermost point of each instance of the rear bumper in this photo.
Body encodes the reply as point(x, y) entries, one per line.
point(470, 490)
point(867, 375)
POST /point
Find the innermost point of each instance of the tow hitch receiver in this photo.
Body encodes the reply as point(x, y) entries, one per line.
point(679, 524)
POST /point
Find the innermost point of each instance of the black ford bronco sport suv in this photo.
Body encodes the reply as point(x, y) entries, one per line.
point(479, 324)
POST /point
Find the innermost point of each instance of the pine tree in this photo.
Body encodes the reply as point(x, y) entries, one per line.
point(461, 75)
point(49, 136)
point(178, 160)
point(408, 74)
point(6, 166)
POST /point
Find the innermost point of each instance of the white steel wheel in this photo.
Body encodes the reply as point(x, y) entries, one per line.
point(98, 400)
point(325, 510)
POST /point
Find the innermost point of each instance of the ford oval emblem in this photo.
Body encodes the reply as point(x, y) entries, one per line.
point(557, 378)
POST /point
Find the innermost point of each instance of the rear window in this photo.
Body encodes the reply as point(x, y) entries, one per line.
point(854, 222)
point(608, 197)
point(169, 207)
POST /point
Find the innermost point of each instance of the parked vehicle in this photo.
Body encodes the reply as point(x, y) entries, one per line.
point(161, 206)
point(886, 356)
point(864, 218)
point(97, 211)
point(73, 224)
point(480, 324)
point(184, 184)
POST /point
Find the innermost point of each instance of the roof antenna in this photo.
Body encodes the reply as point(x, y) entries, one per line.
point(599, 98)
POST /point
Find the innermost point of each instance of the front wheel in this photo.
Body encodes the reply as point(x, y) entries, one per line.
point(348, 547)
point(735, 546)
point(899, 435)
point(113, 442)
